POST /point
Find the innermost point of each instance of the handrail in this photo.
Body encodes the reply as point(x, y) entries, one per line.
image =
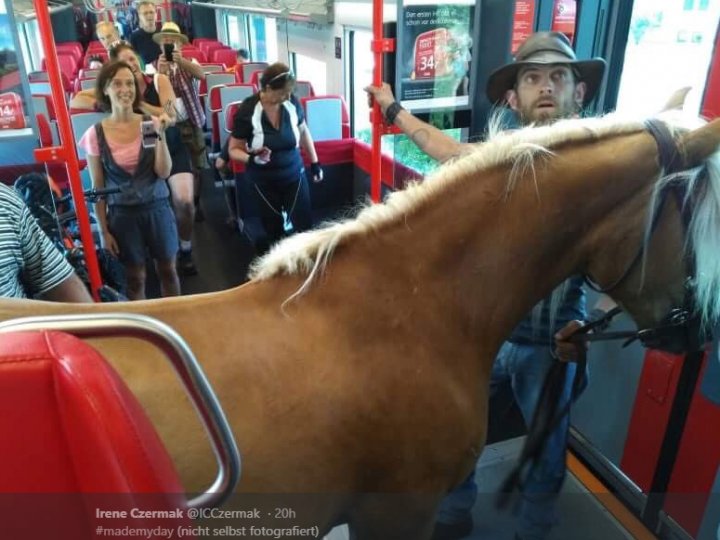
point(183, 360)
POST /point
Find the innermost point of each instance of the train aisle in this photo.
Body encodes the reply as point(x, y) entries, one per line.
point(580, 513)
point(221, 254)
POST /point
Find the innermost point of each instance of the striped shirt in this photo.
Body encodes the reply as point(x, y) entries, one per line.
point(29, 262)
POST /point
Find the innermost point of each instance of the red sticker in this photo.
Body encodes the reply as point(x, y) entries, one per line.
point(11, 111)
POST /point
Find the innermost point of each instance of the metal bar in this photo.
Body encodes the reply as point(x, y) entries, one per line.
point(377, 123)
point(67, 143)
point(187, 368)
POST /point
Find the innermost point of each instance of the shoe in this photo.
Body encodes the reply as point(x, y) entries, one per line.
point(453, 531)
point(185, 264)
point(199, 214)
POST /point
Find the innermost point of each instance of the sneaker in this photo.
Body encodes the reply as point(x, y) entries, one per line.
point(453, 531)
point(185, 263)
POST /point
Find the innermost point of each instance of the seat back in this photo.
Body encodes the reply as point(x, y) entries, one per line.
point(303, 89)
point(327, 117)
point(197, 54)
point(229, 121)
point(212, 80)
point(80, 124)
point(247, 69)
point(227, 57)
point(72, 427)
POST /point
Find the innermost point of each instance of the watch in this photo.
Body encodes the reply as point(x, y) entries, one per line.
point(392, 111)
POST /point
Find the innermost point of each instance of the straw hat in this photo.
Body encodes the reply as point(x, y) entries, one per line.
point(170, 30)
point(546, 48)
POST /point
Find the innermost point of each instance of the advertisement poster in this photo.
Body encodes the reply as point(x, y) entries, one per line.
point(563, 21)
point(11, 111)
point(434, 55)
point(523, 23)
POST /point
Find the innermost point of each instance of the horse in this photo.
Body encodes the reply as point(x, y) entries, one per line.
point(356, 360)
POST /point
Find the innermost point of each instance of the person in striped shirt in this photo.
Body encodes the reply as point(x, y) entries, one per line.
point(30, 265)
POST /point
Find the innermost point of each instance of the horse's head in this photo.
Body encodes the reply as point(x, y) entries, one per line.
point(658, 250)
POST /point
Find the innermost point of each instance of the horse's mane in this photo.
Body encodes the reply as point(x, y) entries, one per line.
point(308, 253)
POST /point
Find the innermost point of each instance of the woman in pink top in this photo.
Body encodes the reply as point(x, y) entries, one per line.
point(139, 219)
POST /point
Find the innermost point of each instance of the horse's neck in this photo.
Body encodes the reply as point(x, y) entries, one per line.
point(489, 258)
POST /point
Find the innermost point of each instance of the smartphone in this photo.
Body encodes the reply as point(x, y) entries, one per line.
point(147, 131)
point(168, 49)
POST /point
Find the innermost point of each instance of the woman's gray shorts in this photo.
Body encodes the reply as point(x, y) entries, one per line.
point(144, 228)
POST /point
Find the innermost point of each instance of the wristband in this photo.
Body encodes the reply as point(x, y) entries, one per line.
point(392, 111)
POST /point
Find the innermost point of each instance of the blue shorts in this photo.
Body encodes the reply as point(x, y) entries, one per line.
point(178, 152)
point(144, 228)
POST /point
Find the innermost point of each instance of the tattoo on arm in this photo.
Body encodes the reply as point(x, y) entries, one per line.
point(420, 137)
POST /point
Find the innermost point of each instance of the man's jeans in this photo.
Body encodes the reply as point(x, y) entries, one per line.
point(524, 366)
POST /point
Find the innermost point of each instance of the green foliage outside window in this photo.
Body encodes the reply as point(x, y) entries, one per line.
point(404, 151)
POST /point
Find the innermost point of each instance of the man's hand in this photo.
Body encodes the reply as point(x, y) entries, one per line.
point(565, 350)
point(163, 66)
point(109, 243)
point(382, 94)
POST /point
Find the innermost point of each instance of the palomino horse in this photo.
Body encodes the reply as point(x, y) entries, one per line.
point(356, 361)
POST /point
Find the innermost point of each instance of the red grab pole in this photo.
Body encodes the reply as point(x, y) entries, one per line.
point(380, 46)
point(167, 6)
point(66, 151)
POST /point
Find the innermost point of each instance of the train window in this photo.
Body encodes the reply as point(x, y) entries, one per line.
point(262, 32)
point(31, 45)
point(234, 35)
point(683, 38)
point(360, 69)
point(315, 71)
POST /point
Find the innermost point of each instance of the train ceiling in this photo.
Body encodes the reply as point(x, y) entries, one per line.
point(319, 11)
point(24, 10)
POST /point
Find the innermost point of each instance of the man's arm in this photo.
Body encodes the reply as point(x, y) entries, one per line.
point(71, 289)
point(188, 66)
point(429, 139)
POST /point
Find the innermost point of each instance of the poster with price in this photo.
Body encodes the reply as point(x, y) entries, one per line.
point(11, 111)
point(523, 23)
point(434, 54)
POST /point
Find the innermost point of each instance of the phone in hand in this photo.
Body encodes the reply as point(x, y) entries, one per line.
point(149, 136)
point(168, 49)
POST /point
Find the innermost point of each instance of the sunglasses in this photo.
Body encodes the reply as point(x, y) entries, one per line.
point(284, 74)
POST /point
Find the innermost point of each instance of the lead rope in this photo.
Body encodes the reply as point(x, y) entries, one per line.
point(546, 417)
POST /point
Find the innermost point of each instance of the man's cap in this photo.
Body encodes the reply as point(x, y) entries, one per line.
point(169, 30)
point(544, 48)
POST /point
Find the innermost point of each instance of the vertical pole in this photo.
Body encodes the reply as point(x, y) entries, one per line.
point(167, 6)
point(67, 144)
point(377, 125)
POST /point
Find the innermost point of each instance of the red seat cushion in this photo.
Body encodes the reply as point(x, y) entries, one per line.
point(72, 426)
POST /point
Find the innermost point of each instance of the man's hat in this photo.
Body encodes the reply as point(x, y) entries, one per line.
point(544, 48)
point(169, 30)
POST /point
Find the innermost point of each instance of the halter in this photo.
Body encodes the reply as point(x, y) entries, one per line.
point(678, 332)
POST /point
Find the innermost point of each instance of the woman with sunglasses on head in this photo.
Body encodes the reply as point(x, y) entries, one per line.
point(268, 130)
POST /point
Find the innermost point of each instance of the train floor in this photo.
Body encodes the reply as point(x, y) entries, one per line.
point(580, 514)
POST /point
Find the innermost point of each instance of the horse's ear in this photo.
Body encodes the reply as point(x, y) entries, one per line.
point(697, 145)
point(677, 100)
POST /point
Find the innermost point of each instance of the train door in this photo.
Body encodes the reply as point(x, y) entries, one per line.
point(652, 49)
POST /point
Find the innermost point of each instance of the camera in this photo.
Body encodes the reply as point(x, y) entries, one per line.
point(168, 49)
point(149, 136)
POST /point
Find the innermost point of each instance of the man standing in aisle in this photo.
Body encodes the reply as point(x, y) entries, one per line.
point(544, 83)
point(142, 38)
point(190, 121)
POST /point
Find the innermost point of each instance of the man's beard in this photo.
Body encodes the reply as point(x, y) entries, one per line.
point(541, 117)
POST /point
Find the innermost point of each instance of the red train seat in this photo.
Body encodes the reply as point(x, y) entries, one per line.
point(76, 440)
